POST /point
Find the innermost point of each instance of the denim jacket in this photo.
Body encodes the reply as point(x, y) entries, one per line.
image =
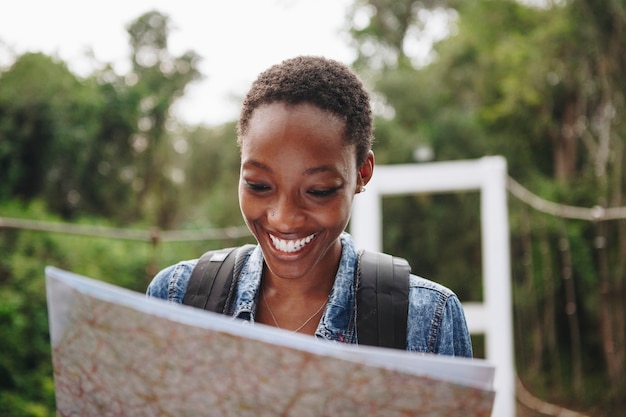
point(436, 322)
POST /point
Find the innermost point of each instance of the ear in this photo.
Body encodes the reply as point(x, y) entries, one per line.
point(365, 172)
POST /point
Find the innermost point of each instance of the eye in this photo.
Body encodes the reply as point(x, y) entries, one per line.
point(321, 193)
point(257, 187)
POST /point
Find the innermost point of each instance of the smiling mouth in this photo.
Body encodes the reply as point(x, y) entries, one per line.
point(292, 245)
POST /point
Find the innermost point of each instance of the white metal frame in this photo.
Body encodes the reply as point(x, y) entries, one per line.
point(492, 317)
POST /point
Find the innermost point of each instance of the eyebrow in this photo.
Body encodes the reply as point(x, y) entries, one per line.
point(309, 171)
point(321, 168)
point(256, 164)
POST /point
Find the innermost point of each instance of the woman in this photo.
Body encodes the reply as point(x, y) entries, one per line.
point(305, 134)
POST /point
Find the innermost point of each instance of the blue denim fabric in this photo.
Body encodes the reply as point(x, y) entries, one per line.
point(436, 322)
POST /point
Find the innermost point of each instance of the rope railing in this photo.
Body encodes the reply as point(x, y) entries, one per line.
point(593, 214)
point(540, 406)
point(150, 235)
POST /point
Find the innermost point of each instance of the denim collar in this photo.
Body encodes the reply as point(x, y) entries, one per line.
point(338, 322)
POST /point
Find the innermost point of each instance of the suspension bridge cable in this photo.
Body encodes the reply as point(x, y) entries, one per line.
point(593, 214)
point(151, 235)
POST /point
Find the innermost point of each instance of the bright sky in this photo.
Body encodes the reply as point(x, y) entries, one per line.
point(237, 39)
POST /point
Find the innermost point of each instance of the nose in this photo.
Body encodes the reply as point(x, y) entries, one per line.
point(286, 214)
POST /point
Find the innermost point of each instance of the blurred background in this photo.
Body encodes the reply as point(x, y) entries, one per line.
point(118, 158)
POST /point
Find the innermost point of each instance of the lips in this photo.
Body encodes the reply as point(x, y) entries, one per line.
point(290, 245)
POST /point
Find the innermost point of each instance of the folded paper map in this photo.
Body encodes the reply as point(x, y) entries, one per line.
point(118, 353)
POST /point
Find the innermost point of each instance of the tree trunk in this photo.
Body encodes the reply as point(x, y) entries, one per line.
point(530, 308)
point(549, 311)
point(572, 314)
point(565, 143)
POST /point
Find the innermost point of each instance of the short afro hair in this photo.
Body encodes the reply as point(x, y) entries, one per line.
point(319, 81)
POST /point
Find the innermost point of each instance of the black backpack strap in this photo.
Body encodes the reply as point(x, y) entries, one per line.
point(211, 283)
point(382, 300)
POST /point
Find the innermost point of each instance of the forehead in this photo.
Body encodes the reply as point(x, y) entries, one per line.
point(280, 134)
point(304, 123)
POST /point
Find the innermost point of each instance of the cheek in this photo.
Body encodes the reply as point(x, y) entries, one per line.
point(336, 215)
point(246, 206)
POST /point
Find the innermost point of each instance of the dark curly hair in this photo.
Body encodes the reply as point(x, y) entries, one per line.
point(323, 82)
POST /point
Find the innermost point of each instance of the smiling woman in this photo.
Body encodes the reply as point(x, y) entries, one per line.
point(298, 179)
point(305, 134)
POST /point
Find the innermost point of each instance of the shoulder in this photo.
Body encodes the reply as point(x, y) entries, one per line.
point(171, 282)
point(428, 298)
point(436, 320)
point(426, 295)
point(426, 286)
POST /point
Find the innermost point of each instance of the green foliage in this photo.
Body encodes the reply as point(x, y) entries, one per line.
point(439, 227)
point(212, 176)
point(160, 79)
point(45, 125)
point(100, 145)
point(544, 87)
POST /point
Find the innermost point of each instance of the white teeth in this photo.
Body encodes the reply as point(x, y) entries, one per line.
point(290, 246)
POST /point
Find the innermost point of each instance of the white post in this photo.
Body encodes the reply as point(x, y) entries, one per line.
point(497, 283)
point(492, 317)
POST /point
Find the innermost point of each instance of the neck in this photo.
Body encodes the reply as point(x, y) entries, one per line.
point(295, 304)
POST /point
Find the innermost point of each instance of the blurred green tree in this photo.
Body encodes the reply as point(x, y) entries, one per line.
point(102, 145)
point(157, 80)
point(541, 83)
point(48, 118)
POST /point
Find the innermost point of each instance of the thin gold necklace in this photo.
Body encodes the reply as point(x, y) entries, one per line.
point(303, 324)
